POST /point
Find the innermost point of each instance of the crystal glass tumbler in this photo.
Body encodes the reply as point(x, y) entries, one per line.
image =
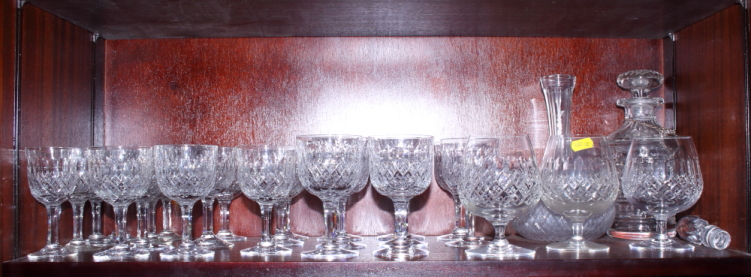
point(186, 173)
point(401, 167)
point(266, 173)
point(328, 167)
point(501, 182)
point(662, 176)
point(123, 174)
point(52, 174)
point(579, 180)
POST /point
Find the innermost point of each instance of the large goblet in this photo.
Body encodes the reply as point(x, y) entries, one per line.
point(52, 174)
point(662, 176)
point(225, 175)
point(452, 173)
point(284, 235)
point(266, 173)
point(123, 174)
point(328, 166)
point(229, 189)
point(459, 231)
point(186, 173)
point(401, 167)
point(77, 200)
point(501, 182)
point(579, 180)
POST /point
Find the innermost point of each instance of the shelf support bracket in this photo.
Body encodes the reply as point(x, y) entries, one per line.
point(94, 37)
point(744, 3)
point(19, 3)
point(673, 37)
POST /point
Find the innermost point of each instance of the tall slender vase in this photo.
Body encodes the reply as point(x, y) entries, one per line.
point(541, 223)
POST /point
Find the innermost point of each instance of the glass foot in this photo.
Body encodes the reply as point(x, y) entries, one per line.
point(80, 246)
point(51, 252)
point(186, 250)
point(577, 246)
point(266, 249)
point(468, 242)
point(122, 252)
point(228, 236)
point(657, 245)
point(169, 236)
point(401, 251)
point(456, 234)
point(329, 253)
point(297, 236)
point(388, 237)
point(99, 240)
point(495, 252)
point(348, 243)
point(148, 245)
point(283, 240)
point(209, 241)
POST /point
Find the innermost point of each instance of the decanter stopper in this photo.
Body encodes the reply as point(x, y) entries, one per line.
point(640, 82)
point(698, 231)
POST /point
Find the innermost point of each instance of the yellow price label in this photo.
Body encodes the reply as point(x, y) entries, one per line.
point(581, 144)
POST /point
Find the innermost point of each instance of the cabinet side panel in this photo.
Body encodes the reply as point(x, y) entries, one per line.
point(235, 91)
point(7, 112)
point(55, 104)
point(711, 107)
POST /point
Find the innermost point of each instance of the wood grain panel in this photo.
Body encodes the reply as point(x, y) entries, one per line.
point(7, 115)
point(55, 106)
point(236, 91)
point(711, 107)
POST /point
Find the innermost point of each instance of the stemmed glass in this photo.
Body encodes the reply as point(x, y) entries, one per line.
point(459, 231)
point(328, 166)
point(452, 170)
point(145, 206)
point(401, 167)
point(52, 173)
point(225, 175)
point(266, 173)
point(77, 200)
point(501, 182)
point(579, 180)
point(662, 176)
point(97, 239)
point(186, 173)
point(343, 239)
point(167, 235)
point(229, 189)
point(123, 174)
point(284, 235)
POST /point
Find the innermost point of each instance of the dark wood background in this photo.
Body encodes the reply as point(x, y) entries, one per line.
point(265, 90)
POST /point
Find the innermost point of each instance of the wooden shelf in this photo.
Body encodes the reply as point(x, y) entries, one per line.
point(137, 19)
point(443, 261)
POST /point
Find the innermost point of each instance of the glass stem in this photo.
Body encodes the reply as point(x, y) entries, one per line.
point(78, 221)
point(287, 224)
point(401, 211)
point(329, 216)
point(224, 215)
point(167, 215)
point(141, 216)
point(266, 210)
point(578, 229)
point(96, 217)
point(151, 218)
point(187, 217)
point(457, 212)
point(469, 222)
point(500, 236)
point(208, 215)
point(121, 213)
point(53, 225)
point(662, 230)
point(341, 209)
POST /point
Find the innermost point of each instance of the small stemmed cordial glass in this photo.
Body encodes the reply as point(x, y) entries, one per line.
point(578, 180)
point(77, 200)
point(52, 174)
point(145, 206)
point(124, 174)
point(328, 167)
point(97, 238)
point(459, 231)
point(186, 173)
point(401, 167)
point(266, 173)
point(225, 175)
point(452, 170)
point(501, 182)
point(343, 239)
point(284, 235)
point(662, 176)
